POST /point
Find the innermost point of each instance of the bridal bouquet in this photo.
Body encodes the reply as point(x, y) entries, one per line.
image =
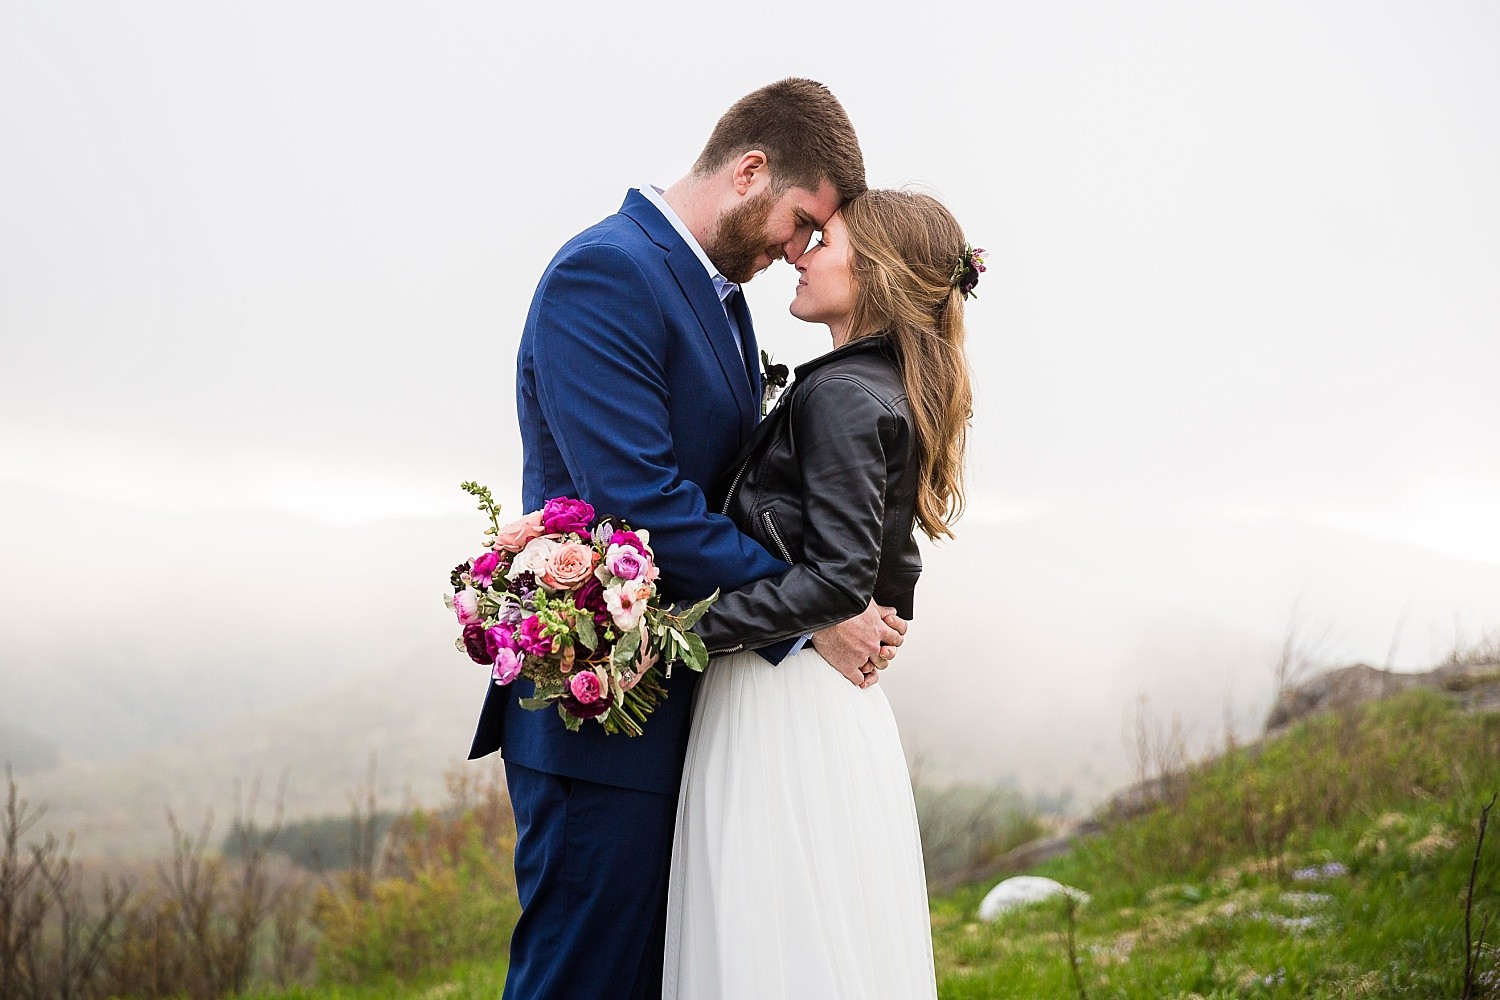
point(569, 601)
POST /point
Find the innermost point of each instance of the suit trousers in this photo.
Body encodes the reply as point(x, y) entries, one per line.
point(592, 863)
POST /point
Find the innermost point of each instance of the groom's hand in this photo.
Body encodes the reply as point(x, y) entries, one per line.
point(858, 647)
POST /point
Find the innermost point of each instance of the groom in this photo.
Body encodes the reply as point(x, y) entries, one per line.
point(637, 381)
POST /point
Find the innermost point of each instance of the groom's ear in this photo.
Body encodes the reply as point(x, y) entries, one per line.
point(750, 170)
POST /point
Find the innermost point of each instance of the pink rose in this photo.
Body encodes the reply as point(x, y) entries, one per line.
point(626, 562)
point(586, 687)
point(569, 565)
point(627, 603)
point(466, 607)
point(562, 515)
point(483, 570)
point(514, 536)
point(507, 666)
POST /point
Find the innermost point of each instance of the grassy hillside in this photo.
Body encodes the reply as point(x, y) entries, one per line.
point(1332, 862)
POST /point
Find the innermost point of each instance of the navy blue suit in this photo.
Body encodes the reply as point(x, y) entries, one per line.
point(633, 395)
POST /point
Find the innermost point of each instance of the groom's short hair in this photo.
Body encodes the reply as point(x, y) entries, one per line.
point(802, 129)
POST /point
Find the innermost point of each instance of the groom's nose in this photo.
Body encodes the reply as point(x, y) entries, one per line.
point(794, 248)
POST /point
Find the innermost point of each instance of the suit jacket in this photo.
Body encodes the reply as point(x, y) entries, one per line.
point(632, 394)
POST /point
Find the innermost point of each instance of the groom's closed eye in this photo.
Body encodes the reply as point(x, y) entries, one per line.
point(806, 227)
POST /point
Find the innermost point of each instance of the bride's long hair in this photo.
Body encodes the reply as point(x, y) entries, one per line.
point(904, 247)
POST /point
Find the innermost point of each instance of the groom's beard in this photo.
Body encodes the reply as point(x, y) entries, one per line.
point(740, 239)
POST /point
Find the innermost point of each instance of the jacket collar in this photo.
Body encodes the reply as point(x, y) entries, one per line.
point(880, 342)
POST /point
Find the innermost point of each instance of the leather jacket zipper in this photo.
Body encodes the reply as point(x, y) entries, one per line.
point(768, 518)
point(729, 497)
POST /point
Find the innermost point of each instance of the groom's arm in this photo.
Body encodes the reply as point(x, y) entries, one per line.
point(599, 349)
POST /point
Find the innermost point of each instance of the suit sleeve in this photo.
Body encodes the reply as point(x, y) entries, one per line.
point(842, 435)
point(600, 355)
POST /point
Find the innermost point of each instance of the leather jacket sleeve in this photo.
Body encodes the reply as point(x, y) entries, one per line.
point(842, 437)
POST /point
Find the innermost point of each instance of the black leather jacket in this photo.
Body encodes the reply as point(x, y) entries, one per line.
point(828, 483)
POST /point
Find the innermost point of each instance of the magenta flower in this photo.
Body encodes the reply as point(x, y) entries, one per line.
point(483, 570)
point(562, 514)
point(529, 638)
point(508, 665)
point(476, 646)
point(628, 538)
point(498, 637)
point(586, 687)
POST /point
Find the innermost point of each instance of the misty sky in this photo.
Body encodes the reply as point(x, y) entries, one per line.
point(1244, 256)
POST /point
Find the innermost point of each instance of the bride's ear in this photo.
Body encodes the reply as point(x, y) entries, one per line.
point(749, 170)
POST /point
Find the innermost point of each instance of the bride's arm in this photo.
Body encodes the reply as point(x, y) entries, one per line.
point(844, 435)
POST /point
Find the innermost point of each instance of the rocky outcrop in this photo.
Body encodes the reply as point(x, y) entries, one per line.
point(1476, 684)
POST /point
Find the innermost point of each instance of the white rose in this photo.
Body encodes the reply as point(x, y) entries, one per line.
point(532, 559)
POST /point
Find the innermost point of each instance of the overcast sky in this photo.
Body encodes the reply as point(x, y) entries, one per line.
point(1244, 256)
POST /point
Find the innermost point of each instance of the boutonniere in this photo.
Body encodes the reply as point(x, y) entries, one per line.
point(772, 381)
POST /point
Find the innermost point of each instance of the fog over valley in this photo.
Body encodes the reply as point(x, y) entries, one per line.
point(170, 658)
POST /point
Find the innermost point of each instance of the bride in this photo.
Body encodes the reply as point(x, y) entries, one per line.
point(797, 865)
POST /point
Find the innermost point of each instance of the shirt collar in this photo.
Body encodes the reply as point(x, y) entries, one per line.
point(722, 285)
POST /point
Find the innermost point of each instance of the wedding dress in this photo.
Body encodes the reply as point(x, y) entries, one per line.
point(797, 864)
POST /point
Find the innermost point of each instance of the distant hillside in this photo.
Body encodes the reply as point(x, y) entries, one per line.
point(416, 717)
point(202, 617)
point(24, 751)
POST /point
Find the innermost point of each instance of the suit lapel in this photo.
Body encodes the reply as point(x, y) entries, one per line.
point(698, 288)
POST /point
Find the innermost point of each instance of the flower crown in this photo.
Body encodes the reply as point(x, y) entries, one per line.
point(968, 269)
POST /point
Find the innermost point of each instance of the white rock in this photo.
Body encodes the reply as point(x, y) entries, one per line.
point(1020, 891)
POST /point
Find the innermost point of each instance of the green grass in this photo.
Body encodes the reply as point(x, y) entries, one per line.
point(1391, 927)
point(467, 981)
point(1201, 898)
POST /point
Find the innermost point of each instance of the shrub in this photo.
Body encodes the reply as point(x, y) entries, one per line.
point(443, 892)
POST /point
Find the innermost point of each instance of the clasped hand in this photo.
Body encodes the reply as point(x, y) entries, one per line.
point(864, 645)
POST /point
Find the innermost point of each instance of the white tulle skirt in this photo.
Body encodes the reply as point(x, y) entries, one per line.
point(797, 865)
